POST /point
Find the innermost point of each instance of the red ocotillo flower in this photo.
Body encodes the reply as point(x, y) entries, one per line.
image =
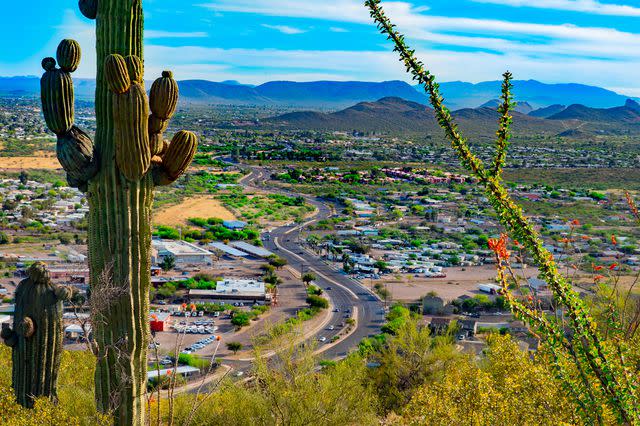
point(499, 247)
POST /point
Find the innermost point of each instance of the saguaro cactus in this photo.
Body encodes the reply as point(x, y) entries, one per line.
point(118, 173)
point(36, 337)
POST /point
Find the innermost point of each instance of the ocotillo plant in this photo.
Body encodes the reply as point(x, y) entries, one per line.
point(36, 337)
point(118, 171)
point(594, 369)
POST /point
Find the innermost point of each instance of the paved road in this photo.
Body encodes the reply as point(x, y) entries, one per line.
point(346, 293)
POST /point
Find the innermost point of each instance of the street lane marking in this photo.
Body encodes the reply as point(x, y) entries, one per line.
point(347, 289)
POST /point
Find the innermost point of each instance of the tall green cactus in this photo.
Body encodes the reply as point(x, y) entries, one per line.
point(118, 173)
point(36, 337)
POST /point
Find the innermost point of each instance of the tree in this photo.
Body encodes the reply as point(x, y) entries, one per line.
point(4, 238)
point(495, 391)
point(168, 263)
point(308, 277)
point(381, 265)
point(240, 319)
point(317, 301)
point(234, 347)
point(23, 177)
point(277, 261)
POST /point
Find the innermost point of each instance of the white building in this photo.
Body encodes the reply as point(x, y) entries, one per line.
point(233, 291)
point(183, 252)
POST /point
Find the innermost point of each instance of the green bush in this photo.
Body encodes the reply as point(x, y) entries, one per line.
point(317, 302)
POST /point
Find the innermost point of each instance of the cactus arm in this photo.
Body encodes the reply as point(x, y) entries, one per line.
point(9, 336)
point(26, 327)
point(63, 293)
point(89, 8)
point(176, 158)
point(130, 114)
point(74, 147)
point(163, 100)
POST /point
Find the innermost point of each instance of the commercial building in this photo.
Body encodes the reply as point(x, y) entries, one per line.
point(233, 291)
point(183, 252)
point(251, 249)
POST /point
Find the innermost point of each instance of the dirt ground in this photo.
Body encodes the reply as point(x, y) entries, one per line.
point(457, 283)
point(47, 161)
point(204, 207)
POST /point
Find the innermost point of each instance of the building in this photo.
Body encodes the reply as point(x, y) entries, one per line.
point(234, 224)
point(159, 321)
point(489, 288)
point(226, 249)
point(233, 291)
point(468, 327)
point(432, 305)
point(184, 371)
point(251, 249)
point(76, 332)
point(439, 325)
point(183, 252)
point(537, 284)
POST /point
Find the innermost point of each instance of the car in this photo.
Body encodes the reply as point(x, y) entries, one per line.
point(329, 288)
point(239, 374)
point(331, 327)
point(461, 337)
point(322, 339)
point(336, 310)
point(184, 351)
point(216, 314)
point(347, 315)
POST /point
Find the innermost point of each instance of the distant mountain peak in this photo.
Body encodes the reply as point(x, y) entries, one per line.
point(459, 94)
point(521, 107)
point(630, 103)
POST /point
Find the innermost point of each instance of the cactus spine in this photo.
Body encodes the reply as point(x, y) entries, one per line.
point(119, 190)
point(36, 337)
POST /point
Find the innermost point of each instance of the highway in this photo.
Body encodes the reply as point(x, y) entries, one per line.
point(345, 293)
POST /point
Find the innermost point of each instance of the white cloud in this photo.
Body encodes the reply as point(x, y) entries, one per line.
point(586, 6)
point(150, 34)
point(336, 10)
point(285, 29)
point(338, 30)
point(492, 34)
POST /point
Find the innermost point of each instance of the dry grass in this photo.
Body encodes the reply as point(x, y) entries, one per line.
point(203, 206)
point(43, 162)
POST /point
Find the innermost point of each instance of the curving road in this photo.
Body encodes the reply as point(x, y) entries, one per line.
point(345, 294)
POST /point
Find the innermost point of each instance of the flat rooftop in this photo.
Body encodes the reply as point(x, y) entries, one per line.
point(179, 248)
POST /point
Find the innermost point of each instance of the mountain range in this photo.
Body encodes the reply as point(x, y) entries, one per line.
point(392, 114)
point(530, 94)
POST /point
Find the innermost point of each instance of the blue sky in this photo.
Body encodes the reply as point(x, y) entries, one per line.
point(253, 41)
